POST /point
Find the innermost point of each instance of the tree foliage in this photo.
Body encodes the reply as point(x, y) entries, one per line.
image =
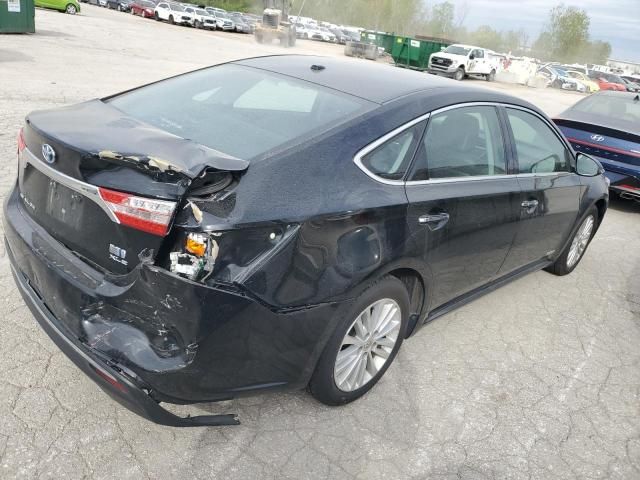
point(565, 37)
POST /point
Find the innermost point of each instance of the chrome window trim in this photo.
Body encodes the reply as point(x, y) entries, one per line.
point(372, 146)
point(87, 190)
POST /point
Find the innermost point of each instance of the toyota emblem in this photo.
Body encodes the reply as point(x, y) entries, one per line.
point(48, 153)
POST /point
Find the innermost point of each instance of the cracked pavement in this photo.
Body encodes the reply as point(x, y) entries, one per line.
point(538, 380)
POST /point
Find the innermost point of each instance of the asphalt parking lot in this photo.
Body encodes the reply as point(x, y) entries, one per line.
point(538, 380)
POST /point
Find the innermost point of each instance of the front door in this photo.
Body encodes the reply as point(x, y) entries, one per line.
point(550, 190)
point(463, 202)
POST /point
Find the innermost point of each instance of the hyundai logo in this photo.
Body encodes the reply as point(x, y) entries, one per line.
point(597, 138)
point(48, 153)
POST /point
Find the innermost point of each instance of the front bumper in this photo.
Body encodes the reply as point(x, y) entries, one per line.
point(163, 338)
point(435, 69)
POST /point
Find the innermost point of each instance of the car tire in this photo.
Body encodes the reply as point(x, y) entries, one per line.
point(71, 9)
point(156, 16)
point(171, 20)
point(325, 386)
point(459, 74)
point(492, 76)
point(119, 8)
point(576, 248)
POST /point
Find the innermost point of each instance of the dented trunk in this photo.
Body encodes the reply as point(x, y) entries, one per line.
point(108, 186)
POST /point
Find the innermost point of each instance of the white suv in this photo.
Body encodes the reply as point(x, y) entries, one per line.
point(173, 13)
point(222, 21)
point(458, 61)
point(201, 18)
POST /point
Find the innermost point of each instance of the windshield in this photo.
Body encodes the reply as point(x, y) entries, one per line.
point(202, 12)
point(147, 4)
point(622, 107)
point(177, 8)
point(239, 110)
point(457, 50)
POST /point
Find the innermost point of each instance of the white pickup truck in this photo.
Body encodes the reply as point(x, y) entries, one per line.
point(458, 61)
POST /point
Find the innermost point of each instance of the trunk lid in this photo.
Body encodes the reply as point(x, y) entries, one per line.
point(72, 153)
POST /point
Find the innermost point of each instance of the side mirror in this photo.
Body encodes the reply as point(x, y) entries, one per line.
point(472, 57)
point(588, 166)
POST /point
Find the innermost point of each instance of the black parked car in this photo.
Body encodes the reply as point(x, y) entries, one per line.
point(281, 222)
point(120, 5)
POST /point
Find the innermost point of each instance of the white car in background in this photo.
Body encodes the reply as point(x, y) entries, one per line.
point(323, 35)
point(173, 13)
point(458, 61)
point(201, 18)
point(223, 22)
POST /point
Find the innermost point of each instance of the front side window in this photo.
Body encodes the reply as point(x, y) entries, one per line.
point(463, 142)
point(391, 160)
point(538, 148)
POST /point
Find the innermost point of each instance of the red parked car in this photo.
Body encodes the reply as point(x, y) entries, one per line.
point(607, 81)
point(144, 8)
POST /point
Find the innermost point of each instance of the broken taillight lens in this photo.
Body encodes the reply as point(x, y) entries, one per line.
point(21, 143)
point(145, 214)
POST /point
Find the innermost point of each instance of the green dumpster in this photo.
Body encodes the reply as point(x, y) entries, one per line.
point(17, 16)
point(380, 39)
point(414, 53)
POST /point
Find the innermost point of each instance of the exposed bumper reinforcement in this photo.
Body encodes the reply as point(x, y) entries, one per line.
point(117, 384)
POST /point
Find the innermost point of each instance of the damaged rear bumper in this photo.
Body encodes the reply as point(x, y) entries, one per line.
point(151, 336)
point(114, 381)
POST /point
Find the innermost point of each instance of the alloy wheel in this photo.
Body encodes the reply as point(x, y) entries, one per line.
point(71, 9)
point(580, 241)
point(367, 345)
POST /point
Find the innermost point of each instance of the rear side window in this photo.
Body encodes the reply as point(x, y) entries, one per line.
point(241, 111)
point(462, 142)
point(391, 160)
point(538, 148)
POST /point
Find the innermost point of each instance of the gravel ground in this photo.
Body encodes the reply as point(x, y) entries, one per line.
point(538, 380)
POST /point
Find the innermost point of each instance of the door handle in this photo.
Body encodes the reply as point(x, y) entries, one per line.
point(434, 221)
point(530, 205)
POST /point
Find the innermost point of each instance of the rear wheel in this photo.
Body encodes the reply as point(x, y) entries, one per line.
point(119, 8)
point(459, 75)
point(574, 251)
point(71, 9)
point(155, 15)
point(171, 19)
point(363, 345)
point(491, 76)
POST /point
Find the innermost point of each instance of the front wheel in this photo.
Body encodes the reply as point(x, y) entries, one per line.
point(71, 9)
point(491, 76)
point(365, 342)
point(171, 19)
point(574, 251)
point(459, 75)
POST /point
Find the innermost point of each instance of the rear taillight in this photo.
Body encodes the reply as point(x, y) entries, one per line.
point(21, 143)
point(145, 214)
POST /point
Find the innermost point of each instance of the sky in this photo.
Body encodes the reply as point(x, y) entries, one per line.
point(614, 21)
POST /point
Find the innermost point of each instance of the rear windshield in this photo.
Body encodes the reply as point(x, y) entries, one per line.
point(241, 111)
point(621, 108)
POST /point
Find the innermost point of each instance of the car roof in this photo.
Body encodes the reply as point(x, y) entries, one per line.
point(369, 80)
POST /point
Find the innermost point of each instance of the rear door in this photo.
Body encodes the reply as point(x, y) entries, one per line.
point(549, 202)
point(463, 200)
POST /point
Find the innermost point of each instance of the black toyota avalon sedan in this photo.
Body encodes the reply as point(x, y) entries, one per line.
point(280, 223)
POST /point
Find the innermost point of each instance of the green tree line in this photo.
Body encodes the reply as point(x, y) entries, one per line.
point(564, 38)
